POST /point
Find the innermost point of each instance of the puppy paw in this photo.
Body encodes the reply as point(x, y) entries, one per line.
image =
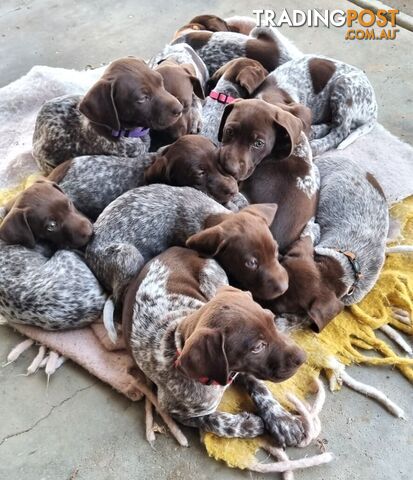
point(287, 430)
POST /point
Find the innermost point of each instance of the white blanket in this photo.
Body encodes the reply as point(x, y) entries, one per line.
point(389, 159)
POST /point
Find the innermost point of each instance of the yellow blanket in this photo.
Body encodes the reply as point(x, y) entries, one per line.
point(339, 344)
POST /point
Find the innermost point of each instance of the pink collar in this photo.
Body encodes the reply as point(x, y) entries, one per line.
point(221, 97)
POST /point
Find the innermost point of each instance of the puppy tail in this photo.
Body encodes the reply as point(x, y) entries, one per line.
point(400, 249)
point(108, 319)
point(355, 134)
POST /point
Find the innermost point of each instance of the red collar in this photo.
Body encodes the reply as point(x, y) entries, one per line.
point(221, 97)
point(205, 380)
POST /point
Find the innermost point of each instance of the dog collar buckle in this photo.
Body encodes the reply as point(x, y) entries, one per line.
point(135, 133)
point(221, 97)
point(355, 265)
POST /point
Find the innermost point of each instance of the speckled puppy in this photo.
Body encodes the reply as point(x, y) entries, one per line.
point(236, 79)
point(266, 45)
point(191, 335)
point(113, 117)
point(146, 221)
point(92, 182)
point(37, 286)
point(340, 96)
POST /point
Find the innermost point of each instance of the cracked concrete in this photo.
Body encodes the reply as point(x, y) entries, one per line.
point(73, 431)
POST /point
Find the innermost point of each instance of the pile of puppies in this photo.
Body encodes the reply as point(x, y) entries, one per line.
point(199, 241)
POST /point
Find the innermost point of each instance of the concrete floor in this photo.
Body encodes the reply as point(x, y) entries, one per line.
point(80, 428)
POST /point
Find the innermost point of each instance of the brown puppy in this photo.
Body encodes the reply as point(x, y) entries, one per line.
point(315, 287)
point(43, 212)
point(191, 334)
point(193, 161)
point(130, 95)
point(180, 81)
point(212, 23)
point(244, 246)
point(250, 130)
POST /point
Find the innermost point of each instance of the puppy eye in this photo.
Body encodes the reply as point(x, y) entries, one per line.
point(259, 347)
point(201, 173)
point(258, 143)
point(252, 263)
point(51, 226)
point(143, 99)
point(229, 132)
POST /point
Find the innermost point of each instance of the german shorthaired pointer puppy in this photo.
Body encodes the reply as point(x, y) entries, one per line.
point(340, 96)
point(251, 130)
point(211, 23)
point(344, 266)
point(111, 119)
point(93, 182)
point(236, 79)
point(267, 46)
point(191, 335)
point(180, 80)
point(145, 221)
point(52, 290)
point(43, 212)
point(183, 54)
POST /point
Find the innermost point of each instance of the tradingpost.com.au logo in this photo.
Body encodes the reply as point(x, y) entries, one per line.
point(361, 25)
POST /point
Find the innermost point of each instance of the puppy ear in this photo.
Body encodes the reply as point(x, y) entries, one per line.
point(301, 112)
point(209, 241)
point(99, 106)
point(323, 309)
point(198, 90)
point(251, 78)
point(157, 172)
point(227, 111)
point(266, 211)
point(15, 229)
point(288, 135)
point(203, 356)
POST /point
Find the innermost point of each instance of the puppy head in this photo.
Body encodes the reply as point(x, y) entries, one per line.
point(250, 130)
point(130, 95)
point(242, 243)
point(235, 334)
point(44, 212)
point(245, 72)
point(181, 82)
point(211, 23)
point(192, 161)
point(313, 285)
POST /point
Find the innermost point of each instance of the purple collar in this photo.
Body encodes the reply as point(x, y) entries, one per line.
point(135, 133)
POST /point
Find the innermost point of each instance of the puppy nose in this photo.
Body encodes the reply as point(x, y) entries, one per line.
point(296, 357)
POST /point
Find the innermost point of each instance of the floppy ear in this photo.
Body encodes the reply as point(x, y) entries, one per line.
point(15, 229)
point(99, 106)
point(157, 172)
point(251, 78)
point(227, 111)
point(266, 211)
point(209, 241)
point(204, 355)
point(303, 113)
point(290, 132)
point(323, 309)
point(196, 84)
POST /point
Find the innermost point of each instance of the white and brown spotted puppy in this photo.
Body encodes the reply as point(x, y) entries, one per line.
point(191, 334)
point(346, 260)
point(267, 46)
point(236, 79)
point(113, 117)
point(340, 96)
point(40, 286)
point(93, 182)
